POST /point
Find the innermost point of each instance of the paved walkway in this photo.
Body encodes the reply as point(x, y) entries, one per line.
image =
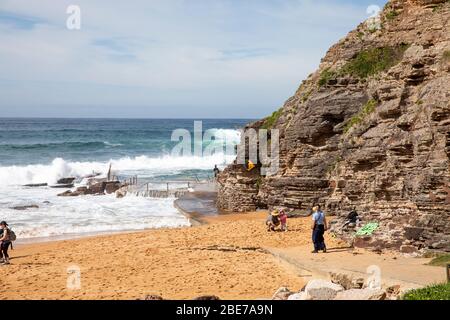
point(394, 268)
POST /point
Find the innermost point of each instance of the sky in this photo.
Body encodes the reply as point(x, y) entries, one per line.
point(164, 58)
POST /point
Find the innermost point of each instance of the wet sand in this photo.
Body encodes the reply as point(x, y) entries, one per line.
point(226, 257)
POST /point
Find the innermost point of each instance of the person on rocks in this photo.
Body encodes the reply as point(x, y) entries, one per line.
point(5, 242)
point(351, 220)
point(319, 226)
point(273, 220)
point(216, 171)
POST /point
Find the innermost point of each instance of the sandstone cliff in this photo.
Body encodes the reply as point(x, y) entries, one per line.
point(370, 130)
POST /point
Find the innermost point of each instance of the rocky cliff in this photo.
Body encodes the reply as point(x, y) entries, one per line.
point(370, 130)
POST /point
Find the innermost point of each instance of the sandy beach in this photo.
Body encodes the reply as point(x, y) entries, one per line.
point(225, 257)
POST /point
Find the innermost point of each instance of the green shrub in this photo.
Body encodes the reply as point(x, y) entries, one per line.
point(367, 109)
point(433, 292)
point(366, 63)
point(446, 55)
point(391, 15)
point(440, 6)
point(441, 260)
point(326, 76)
point(272, 119)
point(372, 61)
point(306, 95)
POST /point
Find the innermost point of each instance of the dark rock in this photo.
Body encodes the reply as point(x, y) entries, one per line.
point(205, 298)
point(26, 207)
point(153, 297)
point(413, 233)
point(408, 249)
point(112, 186)
point(67, 193)
point(35, 185)
point(97, 188)
point(66, 180)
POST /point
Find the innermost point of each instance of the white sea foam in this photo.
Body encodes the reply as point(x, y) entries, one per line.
point(142, 165)
point(59, 216)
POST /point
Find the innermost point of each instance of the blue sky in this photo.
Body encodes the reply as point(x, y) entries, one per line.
point(164, 58)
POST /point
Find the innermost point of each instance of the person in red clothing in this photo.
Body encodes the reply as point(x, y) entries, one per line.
point(283, 220)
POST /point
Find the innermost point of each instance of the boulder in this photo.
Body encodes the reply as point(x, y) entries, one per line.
point(393, 292)
point(282, 294)
point(408, 249)
point(112, 186)
point(83, 190)
point(67, 193)
point(299, 296)
point(413, 233)
point(361, 294)
point(120, 194)
point(347, 281)
point(97, 188)
point(322, 290)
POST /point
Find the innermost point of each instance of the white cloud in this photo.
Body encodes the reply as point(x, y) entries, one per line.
point(182, 53)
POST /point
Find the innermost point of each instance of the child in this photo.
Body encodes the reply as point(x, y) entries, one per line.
point(283, 220)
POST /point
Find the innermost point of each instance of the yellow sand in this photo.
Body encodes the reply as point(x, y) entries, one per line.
point(223, 258)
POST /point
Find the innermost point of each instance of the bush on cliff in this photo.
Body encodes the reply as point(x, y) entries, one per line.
point(272, 119)
point(367, 109)
point(326, 76)
point(446, 56)
point(366, 63)
point(372, 61)
point(433, 292)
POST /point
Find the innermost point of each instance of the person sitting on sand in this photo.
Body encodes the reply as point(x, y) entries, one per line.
point(319, 226)
point(5, 242)
point(283, 220)
point(272, 221)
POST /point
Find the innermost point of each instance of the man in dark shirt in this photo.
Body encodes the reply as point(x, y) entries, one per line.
point(216, 171)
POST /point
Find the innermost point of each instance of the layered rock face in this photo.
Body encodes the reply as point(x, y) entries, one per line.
point(369, 130)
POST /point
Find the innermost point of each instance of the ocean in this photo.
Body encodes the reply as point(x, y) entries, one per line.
point(44, 150)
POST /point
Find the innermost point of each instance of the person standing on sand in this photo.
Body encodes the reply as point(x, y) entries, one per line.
point(319, 226)
point(5, 242)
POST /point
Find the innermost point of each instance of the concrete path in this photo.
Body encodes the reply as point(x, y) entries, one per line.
point(394, 268)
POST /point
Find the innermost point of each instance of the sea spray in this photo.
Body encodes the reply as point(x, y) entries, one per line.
point(45, 150)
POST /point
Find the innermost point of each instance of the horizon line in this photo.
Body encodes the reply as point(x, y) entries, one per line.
point(127, 118)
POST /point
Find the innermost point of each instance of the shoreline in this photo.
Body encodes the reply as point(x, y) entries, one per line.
point(195, 219)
